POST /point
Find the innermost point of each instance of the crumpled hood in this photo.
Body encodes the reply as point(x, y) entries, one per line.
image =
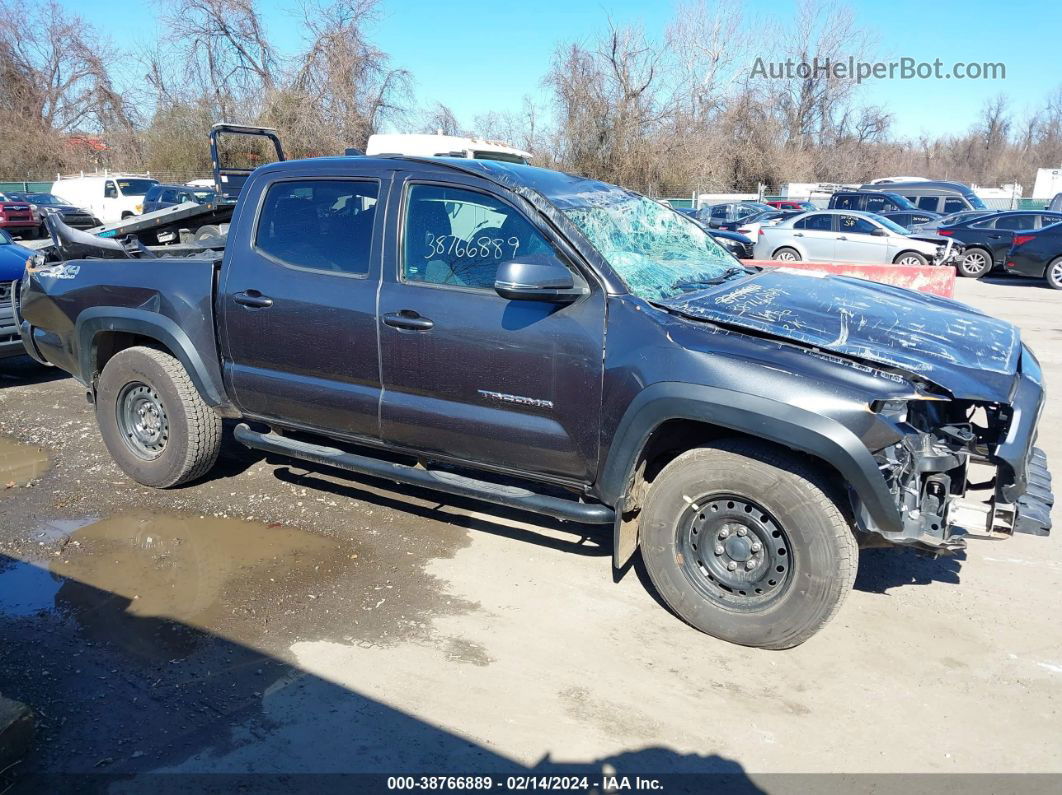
point(970, 354)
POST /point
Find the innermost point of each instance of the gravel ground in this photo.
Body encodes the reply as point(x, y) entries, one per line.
point(272, 619)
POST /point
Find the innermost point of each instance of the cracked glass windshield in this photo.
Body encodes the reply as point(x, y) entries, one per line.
point(659, 253)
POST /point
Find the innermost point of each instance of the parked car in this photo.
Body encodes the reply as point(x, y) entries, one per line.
point(161, 196)
point(909, 219)
point(1037, 254)
point(751, 226)
point(737, 244)
point(934, 195)
point(789, 204)
point(870, 201)
point(988, 239)
point(559, 345)
point(729, 214)
point(109, 197)
point(13, 259)
point(44, 203)
point(16, 216)
point(954, 218)
point(860, 238)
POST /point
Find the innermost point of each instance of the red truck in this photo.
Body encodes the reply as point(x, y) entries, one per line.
point(16, 217)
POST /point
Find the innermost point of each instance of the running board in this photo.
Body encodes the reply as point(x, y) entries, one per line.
point(449, 482)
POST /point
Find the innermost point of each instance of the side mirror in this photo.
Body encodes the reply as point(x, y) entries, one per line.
point(537, 277)
point(879, 232)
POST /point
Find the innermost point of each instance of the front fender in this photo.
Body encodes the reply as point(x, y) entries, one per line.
point(774, 421)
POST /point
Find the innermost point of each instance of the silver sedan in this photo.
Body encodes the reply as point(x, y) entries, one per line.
point(847, 236)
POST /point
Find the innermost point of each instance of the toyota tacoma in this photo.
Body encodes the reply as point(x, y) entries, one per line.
point(563, 346)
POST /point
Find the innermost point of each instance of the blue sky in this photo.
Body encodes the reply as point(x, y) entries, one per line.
point(479, 56)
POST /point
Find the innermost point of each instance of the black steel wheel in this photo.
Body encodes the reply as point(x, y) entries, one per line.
point(748, 541)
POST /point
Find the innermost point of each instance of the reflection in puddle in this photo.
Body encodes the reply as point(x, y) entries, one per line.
point(146, 582)
point(20, 463)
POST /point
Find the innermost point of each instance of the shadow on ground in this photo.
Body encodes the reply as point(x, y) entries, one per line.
point(120, 694)
point(22, 371)
point(882, 569)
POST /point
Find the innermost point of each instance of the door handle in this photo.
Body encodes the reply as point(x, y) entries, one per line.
point(842, 237)
point(408, 320)
point(253, 299)
point(798, 234)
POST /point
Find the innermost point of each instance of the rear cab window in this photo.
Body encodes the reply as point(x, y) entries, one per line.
point(319, 224)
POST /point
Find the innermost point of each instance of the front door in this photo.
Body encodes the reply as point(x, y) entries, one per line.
point(816, 236)
point(468, 374)
point(299, 306)
point(856, 241)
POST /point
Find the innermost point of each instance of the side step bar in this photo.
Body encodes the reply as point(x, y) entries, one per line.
point(449, 482)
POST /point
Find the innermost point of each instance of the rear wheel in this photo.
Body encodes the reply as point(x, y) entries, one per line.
point(910, 258)
point(1053, 273)
point(787, 254)
point(744, 542)
point(155, 425)
point(976, 262)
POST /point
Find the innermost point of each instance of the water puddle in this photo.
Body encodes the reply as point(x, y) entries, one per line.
point(20, 463)
point(148, 582)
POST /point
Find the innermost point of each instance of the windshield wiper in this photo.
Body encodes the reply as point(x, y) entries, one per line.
point(733, 272)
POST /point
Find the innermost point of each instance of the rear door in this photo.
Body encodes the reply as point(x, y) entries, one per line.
point(299, 304)
point(856, 241)
point(470, 375)
point(816, 235)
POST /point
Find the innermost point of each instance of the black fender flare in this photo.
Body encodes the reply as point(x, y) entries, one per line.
point(99, 319)
point(760, 417)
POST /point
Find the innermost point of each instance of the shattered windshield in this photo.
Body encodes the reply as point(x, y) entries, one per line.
point(658, 252)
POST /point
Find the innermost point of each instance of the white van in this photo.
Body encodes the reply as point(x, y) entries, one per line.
point(418, 145)
point(110, 197)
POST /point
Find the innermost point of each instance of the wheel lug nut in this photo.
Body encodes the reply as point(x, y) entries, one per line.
point(731, 566)
point(718, 549)
point(750, 564)
point(756, 546)
point(724, 533)
point(742, 531)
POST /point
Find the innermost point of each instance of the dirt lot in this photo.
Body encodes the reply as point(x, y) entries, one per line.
point(277, 620)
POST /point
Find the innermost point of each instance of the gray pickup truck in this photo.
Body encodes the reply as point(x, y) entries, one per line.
point(563, 346)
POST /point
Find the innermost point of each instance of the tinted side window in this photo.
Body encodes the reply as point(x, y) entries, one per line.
point(920, 219)
point(1047, 220)
point(1016, 222)
point(930, 203)
point(846, 202)
point(877, 204)
point(856, 225)
point(459, 237)
point(169, 196)
point(152, 195)
point(319, 224)
point(820, 222)
point(953, 205)
point(720, 211)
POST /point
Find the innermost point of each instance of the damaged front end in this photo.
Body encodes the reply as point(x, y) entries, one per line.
point(966, 467)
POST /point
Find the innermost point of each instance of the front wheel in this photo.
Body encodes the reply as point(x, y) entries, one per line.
point(744, 542)
point(910, 258)
point(975, 263)
point(153, 421)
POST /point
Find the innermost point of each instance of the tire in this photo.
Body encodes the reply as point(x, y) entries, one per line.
point(153, 421)
point(786, 254)
point(910, 258)
point(782, 505)
point(975, 263)
point(1053, 273)
point(205, 232)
